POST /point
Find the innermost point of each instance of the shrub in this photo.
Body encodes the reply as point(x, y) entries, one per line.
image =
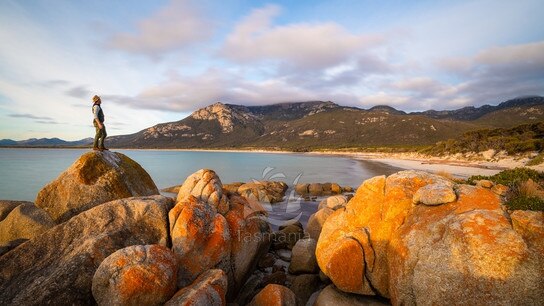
point(510, 177)
point(526, 203)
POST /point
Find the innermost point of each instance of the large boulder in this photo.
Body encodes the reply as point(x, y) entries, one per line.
point(136, 275)
point(204, 238)
point(95, 178)
point(274, 295)
point(250, 240)
point(208, 289)
point(200, 238)
point(57, 266)
point(421, 251)
point(303, 258)
point(24, 222)
point(334, 202)
point(206, 186)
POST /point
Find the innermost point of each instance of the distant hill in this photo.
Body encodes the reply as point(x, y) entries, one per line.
point(44, 142)
point(326, 125)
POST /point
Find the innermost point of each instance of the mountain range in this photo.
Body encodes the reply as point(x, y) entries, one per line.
point(45, 142)
point(303, 126)
point(319, 124)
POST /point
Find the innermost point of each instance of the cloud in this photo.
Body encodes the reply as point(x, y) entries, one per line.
point(294, 46)
point(29, 116)
point(177, 25)
point(79, 92)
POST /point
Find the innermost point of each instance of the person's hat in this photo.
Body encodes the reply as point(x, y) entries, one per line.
point(96, 98)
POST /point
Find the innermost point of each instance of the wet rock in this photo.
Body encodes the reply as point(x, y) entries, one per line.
point(303, 259)
point(274, 295)
point(136, 275)
point(24, 222)
point(209, 288)
point(95, 178)
point(302, 189)
point(57, 266)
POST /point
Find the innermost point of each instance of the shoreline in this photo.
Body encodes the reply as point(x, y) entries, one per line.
point(458, 167)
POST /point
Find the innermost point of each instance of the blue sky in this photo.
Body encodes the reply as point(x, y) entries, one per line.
point(157, 61)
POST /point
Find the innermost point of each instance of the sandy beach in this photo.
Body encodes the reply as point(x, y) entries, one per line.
point(457, 167)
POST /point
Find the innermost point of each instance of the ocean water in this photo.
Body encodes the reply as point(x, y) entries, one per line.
point(23, 172)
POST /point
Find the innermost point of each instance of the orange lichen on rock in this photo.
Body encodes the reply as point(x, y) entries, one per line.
point(462, 251)
point(208, 289)
point(274, 295)
point(136, 275)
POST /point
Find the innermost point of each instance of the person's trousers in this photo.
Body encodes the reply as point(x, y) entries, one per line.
point(99, 136)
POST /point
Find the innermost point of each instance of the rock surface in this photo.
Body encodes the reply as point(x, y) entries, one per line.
point(263, 191)
point(274, 295)
point(435, 194)
point(465, 251)
point(57, 266)
point(303, 259)
point(319, 189)
point(24, 222)
point(136, 275)
point(6, 206)
point(206, 186)
point(325, 209)
point(208, 289)
point(250, 240)
point(332, 296)
point(303, 286)
point(200, 238)
point(95, 178)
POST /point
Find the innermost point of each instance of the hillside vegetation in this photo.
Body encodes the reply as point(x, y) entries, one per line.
point(520, 139)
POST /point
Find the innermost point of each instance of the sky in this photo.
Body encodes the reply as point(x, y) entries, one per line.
point(158, 61)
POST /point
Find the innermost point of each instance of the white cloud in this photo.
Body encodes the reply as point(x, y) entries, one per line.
point(296, 45)
point(179, 24)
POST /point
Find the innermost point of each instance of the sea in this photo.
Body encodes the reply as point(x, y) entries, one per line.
point(23, 172)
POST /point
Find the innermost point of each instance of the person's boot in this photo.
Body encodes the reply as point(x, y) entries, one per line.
point(96, 149)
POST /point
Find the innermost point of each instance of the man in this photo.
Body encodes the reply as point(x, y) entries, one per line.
point(98, 123)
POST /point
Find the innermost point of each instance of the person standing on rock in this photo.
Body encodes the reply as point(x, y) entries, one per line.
point(98, 123)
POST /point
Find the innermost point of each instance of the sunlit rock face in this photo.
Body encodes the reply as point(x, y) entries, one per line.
point(418, 238)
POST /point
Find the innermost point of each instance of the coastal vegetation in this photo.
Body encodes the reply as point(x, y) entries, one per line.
point(526, 187)
point(520, 139)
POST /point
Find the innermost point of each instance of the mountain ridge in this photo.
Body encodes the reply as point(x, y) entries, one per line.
point(325, 124)
point(309, 125)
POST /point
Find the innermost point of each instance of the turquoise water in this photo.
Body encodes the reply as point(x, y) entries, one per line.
point(23, 172)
